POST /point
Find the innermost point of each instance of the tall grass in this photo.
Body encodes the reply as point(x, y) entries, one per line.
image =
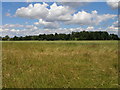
point(60, 64)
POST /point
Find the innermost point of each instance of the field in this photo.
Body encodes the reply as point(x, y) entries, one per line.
point(60, 64)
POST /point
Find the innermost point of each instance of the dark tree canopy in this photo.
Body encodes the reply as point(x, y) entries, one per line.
point(84, 35)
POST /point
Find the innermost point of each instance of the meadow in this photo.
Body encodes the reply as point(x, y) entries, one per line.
point(60, 64)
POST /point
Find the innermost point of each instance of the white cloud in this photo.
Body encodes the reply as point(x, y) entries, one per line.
point(40, 11)
point(36, 11)
point(47, 24)
point(84, 18)
point(12, 26)
point(113, 28)
point(51, 18)
point(59, 13)
point(19, 32)
point(74, 4)
point(90, 28)
point(64, 14)
point(116, 24)
point(47, 17)
point(36, 31)
point(113, 3)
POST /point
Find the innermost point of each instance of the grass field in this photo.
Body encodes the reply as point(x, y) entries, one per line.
point(60, 64)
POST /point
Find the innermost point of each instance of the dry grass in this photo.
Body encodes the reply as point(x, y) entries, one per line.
point(74, 64)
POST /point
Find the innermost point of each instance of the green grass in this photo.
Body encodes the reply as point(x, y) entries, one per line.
point(60, 64)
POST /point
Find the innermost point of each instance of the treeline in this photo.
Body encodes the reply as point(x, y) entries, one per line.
point(84, 35)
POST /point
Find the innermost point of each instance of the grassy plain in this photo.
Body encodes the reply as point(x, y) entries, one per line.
point(60, 64)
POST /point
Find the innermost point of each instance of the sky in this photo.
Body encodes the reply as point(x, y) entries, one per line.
point(34, 18)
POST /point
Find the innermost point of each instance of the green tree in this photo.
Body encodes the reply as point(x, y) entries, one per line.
point(6, 38)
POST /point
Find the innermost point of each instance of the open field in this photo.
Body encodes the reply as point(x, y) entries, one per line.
point(58, 64)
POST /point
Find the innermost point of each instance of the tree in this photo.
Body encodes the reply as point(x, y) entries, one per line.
point(84, 35)
point(15, 38)
point(6, 38)
point(114, 37)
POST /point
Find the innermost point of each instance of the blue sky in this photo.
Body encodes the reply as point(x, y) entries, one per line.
point(10, 16)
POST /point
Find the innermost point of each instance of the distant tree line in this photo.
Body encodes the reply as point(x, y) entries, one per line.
point(83, 35)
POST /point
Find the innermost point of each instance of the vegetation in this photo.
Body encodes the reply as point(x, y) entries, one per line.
point(84, 35)
point(60, 64)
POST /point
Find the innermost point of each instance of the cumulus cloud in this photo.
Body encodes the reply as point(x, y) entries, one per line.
point(40, 11)
point(33, 31)
point(52, 16)
point(59, 13)
point(47, 17)
point(74, 5)
point(114, 4)
point(116, 24)
point(113, 28)
point(36, 11)
point(12, 26)
point(47, 24)
point(84, 18)
point(90, 28)
point(18, 32)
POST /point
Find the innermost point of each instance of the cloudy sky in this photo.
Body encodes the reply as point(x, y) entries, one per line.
point(33, 18)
